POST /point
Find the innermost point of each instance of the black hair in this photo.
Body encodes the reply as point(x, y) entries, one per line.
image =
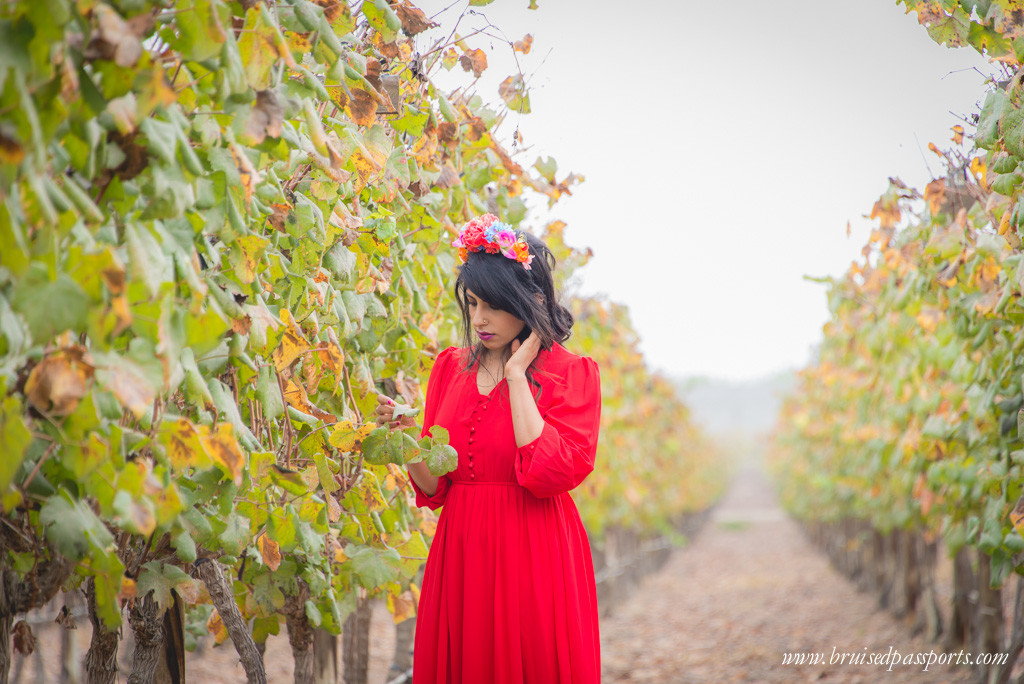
point(504, 284)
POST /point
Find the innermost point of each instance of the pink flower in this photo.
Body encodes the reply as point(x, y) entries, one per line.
point(506, 238)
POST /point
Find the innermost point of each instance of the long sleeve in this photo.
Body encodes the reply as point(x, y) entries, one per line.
point(439, 378)
point(563, 455)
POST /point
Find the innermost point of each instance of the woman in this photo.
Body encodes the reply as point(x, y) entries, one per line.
point(508, 590)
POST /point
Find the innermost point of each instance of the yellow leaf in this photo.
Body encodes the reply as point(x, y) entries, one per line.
point(183, 446)
point(215, 626)
point(270, 550)
point(989, 272)
point(402, 606)
point(127, 590)
point(332, 357)
point(292, 344)
point(1017, 516)
point(220, 444)
point(333, 509)
point(428, 526)
point(345, 437)
point(979, 171)
point(929, 319)
point(958, 134)
point(1004, 223)
point(246, 252)
point(339, 555)
point(888, 212)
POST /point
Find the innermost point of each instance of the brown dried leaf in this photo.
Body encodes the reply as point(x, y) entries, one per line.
point(448, 133)
point(265, 118)
point(23, 638)
point(474, 60)
point(116, 39)
point(362, 108)
point(270, 550)
point(477, 128)
point(11, 151)
point(65, 619)
point(129, 384)
point(58, 382)
point(413, 19)
point(935, 195)
point(523, 45)
point(448, 177)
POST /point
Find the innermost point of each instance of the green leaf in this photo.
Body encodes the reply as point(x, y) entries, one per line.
point(161, 578)
point(73, 527)
point(200, 34)
point(49, 306)
point(268, 393)
point(14, 440)
point(442, 459)
point(951, 30)
point(1011, 126)
point(382, 18)
point(373, 567)
point(185, 546)
point(258, 50)
point(992, 110)
point(313, 613)
point(236, 534)
point(414, 554)
point(324, 473)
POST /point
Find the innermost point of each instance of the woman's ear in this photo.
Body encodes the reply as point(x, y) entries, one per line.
point(540, 297)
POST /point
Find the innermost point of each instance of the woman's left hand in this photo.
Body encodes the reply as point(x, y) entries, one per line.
point(523, 355)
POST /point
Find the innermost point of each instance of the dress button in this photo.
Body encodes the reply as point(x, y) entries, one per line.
point(473, 475)
point(478, 419)
point(470, 440)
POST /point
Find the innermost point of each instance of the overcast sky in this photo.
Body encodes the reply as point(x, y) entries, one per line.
point(725, 147)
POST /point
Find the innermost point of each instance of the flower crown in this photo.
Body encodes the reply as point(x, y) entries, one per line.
point(487, 234)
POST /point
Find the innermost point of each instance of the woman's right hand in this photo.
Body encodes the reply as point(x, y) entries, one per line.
point(385, 414)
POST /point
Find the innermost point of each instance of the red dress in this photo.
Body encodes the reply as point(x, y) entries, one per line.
point(508, 591)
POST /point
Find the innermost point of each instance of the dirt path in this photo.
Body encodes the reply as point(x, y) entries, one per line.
point(749, 589)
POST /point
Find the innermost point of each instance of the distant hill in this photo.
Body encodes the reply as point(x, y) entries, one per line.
point(736, 409)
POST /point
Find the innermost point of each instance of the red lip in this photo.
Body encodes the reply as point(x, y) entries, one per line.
point(485, 336)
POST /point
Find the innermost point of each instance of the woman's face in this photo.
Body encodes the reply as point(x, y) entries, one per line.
point(502, 326)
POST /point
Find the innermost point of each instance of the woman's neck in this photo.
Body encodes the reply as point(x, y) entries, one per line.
point(495, 357)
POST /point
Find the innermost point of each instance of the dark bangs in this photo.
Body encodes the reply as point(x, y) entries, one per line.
point(501, 282)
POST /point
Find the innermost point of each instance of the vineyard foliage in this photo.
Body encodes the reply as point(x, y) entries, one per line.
point(911, 416)
point(224, 227)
